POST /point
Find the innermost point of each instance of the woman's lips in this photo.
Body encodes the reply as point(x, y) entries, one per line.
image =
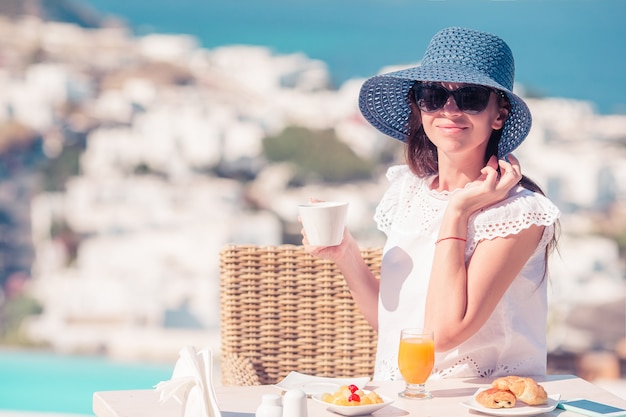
point(450, 128)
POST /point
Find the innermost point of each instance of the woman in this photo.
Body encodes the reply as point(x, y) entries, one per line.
point(467, 234)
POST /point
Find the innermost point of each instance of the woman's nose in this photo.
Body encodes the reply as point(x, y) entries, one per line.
point(450, 107)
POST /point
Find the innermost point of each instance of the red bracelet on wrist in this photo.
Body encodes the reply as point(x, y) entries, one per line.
point(451, 238)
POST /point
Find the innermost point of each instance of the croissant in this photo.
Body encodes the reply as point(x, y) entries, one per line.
point(525, 389)
point(496, 398)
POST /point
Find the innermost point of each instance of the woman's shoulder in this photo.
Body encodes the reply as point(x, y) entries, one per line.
point(396, 172)
point(520, 210)
point(401, 181)
point(402, 174)
point(525, 198)
point(522, 201)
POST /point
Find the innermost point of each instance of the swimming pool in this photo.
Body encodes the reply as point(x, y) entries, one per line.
point(47, 382)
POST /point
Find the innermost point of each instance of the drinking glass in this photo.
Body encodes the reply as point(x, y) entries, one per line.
point(416, 358)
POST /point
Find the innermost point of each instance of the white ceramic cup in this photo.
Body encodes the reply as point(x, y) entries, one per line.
point(323, 222)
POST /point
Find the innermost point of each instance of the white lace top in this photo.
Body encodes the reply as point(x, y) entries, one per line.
point(513, 340)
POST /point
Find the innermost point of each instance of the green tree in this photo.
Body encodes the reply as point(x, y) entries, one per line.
point(13, 312)
point(317, 155)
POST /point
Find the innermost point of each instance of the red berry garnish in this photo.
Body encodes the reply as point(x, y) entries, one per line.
point(354, 397)
point(353, 388)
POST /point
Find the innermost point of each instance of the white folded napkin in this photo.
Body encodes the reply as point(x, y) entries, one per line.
point(191, 384)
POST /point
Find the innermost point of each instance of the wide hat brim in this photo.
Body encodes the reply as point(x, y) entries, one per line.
point(384, 101)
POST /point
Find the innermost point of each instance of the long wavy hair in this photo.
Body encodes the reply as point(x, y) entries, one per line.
point(422, 159)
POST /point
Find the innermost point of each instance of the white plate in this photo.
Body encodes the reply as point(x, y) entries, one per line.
point(353, 410)
point(312, 385)
point(520, 409)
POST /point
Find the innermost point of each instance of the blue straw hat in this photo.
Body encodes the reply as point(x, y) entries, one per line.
point(456, 55)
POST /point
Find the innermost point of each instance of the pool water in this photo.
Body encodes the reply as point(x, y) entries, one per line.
point(41, 381)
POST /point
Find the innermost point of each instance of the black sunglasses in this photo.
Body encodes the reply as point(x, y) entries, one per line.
point(471, 99)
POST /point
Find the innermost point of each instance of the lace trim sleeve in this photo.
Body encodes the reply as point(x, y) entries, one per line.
point(518, 212)
point(388, 206)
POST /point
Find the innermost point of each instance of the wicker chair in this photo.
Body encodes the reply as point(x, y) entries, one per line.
point(284, 310)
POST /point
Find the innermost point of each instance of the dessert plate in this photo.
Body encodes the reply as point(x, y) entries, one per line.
point(353, 410)
point(313, 385)
point(520, 409)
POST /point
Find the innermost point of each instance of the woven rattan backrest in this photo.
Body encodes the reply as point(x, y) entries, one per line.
point(284, 310)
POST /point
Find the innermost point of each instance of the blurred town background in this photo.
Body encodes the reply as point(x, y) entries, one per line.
point(127, 162)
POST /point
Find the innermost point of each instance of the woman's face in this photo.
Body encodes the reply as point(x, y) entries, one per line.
point(455, 132)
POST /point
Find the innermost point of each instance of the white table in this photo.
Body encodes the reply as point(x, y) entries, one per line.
point(448, 393)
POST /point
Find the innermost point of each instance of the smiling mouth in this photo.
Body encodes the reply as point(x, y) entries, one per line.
point(451, 127)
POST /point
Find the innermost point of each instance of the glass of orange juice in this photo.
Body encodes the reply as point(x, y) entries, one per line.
point(416, 358)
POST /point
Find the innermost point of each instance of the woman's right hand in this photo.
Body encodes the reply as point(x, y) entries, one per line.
point(332, 253)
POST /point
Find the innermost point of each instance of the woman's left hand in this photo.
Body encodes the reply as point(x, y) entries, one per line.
point(491, 187)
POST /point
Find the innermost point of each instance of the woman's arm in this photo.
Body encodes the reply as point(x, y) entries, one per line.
point(461, 297)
